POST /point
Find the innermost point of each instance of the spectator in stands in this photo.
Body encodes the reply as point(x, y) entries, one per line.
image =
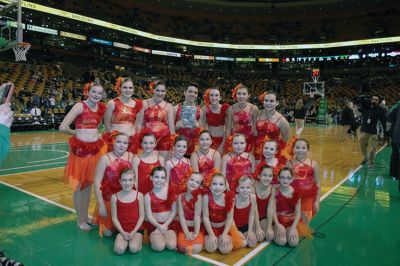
point(393, 116)
point(52, 101)
point(371, 113)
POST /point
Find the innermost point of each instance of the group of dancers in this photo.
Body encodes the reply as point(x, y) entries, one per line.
point(187, 177)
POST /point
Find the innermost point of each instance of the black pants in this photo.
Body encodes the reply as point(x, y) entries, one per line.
point(395, 161)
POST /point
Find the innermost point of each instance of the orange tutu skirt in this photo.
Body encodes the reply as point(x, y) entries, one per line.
point(186, 245)
point(104, 223)
point(237, 241)
point(81, 165)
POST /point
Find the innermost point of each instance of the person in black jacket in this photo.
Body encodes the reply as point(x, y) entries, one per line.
point(393, 116)
point(347, 120)
point(371, 113)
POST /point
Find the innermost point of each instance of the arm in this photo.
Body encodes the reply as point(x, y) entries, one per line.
point(98, 178)
point(171, 122)
point(254, 114)
point(168, 167)
point(271, 215)
point(141, 215)
point(140, 118)
point(108, 115)
point(206, 217)
point(229, 221)
point(135, 167)
point(297, 215)
point(251, 237)
point(171, 216)
point(253, 162)
point(223, 164)
point(182, 219)
point(161, 160)
point(285, 129)
point(69, 118)
point(229, 121)
point(149, 212)
point(193, 162)
point(318, 183)
point(203, 118)
point(197, 216)
point(202, 124)
point(217, 160)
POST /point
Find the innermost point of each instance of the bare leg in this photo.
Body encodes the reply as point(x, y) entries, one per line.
point(157, 241)
point(135, 245)
point(170, 240)
point(120, 245)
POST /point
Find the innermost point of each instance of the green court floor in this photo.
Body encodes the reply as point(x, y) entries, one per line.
point(357, 225)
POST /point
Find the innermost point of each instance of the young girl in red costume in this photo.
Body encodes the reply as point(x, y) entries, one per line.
point(178, 167)
point(127, 211)
point(306, 180)
point(144, 163)
point(121, 113)
point(107, 181)
point(241, 117)
point(160, 212)
point(263, 191)
point(272, 124)
point(86, 147)
point(270, 149)
point(245, 210)
point(190, 237)
point(218, 206)
point(237, 163)
point(206, 160)
point(190, 132)
point(284, 210)
point(157, 117)
point(215, 116)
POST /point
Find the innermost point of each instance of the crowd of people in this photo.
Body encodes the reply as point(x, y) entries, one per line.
point(189, 177)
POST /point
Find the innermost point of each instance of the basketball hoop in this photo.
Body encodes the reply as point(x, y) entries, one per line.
point(20, 51)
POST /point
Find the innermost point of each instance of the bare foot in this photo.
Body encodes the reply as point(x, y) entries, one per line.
point(85, 227)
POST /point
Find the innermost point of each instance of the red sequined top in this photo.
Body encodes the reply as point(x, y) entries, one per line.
point(110, 183)
point(89, 119)
point(266, 127)
point(128, 214)
point(304, 179)
point(124, 114)
point(206, 165)
point(159, 205)
point(155, 118)
point(286, 207)
point(216, 213)
point(144, 170)
point(216, 119)
point(237, 167)
point(188, 209)
point(242, 122)
point(262, 205)
point(178, 176)
point(241, 215)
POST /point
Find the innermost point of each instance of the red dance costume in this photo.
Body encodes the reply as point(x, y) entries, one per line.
point(304, 182)
point(124, 114)
point(217, 214)
point(189, 213)
point(178, 176)
point(236, 167)
point(155, 120)
point(206, 167)
point(267, 128)
point(191, 134)
point(242, 123)
point(144, 170)
point(216, 120)
point(286, 207)
point(109, 186)
point(157, 206)
point(83, 156)
point(241, 217)
point(262, 205)
point(128, 214)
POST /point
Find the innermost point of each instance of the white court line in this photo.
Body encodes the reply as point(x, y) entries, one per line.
point(39, 197)
point(27, 172)
point(62, 157)
point(197, 256)
point(29, 166)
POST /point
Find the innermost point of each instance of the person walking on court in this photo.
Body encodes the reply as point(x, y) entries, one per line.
point(393, 116)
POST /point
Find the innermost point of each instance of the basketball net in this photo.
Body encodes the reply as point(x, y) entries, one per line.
point(20, 51)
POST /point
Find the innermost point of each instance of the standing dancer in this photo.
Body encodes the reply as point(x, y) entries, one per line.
point(189, 117)
point(272, 124)
point(306, 180)
point(107, 180)
point(206, 160)
point(145, 162)
point(86, 148)
point(157, 117)
point(121, 113)
point(215, 117)
point(241, 117)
